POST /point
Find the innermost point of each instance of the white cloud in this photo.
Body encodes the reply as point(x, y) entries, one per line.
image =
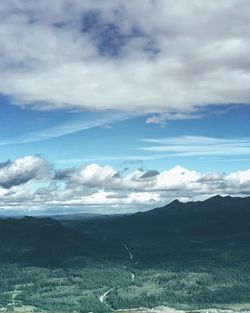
point(22, 171)
point(95, 175)
point(177, 178)
point(102, 198)
point(240, 177)
point(139, 56)
point(30, 185)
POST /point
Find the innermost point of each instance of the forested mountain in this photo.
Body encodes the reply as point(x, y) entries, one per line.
point(43, 240)
point(174, 225)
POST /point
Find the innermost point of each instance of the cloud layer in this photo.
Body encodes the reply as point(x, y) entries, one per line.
point(139, 56)
point(30, 184)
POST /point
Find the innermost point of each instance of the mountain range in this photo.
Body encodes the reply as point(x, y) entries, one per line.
point(216, 215)
point(173, 227)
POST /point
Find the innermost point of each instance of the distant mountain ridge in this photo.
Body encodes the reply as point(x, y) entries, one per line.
point(216, 215)
point(74, 216)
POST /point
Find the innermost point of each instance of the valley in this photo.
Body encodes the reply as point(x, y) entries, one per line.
point(163, 260)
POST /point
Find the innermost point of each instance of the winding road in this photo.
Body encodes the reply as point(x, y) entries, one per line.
point(132, 277)
point(103, 297)
point(129, 252)
point(131, 258)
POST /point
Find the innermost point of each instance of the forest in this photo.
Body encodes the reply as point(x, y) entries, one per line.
point(103, 269)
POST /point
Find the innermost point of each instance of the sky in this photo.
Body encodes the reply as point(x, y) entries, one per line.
point(122, 106)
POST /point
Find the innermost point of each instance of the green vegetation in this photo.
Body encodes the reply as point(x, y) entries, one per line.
point(182, 265)
point(190, 282)
point(65, 289)
point(195, 287)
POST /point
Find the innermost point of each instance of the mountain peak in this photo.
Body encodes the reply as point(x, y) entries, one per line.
point(216, 197)
point(176, 201)
point(219, 197)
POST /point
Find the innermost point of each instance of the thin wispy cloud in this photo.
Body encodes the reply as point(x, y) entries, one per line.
point(162, 119)
point(198, 146)
point(68, 128)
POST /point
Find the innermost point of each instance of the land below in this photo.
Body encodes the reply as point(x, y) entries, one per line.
point(183, 257)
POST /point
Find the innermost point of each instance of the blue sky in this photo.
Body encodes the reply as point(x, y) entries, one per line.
point(73, 138)
point(118, 106)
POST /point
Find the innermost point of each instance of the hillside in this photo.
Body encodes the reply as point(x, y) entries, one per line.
point(43, 240)
point(217, 229)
